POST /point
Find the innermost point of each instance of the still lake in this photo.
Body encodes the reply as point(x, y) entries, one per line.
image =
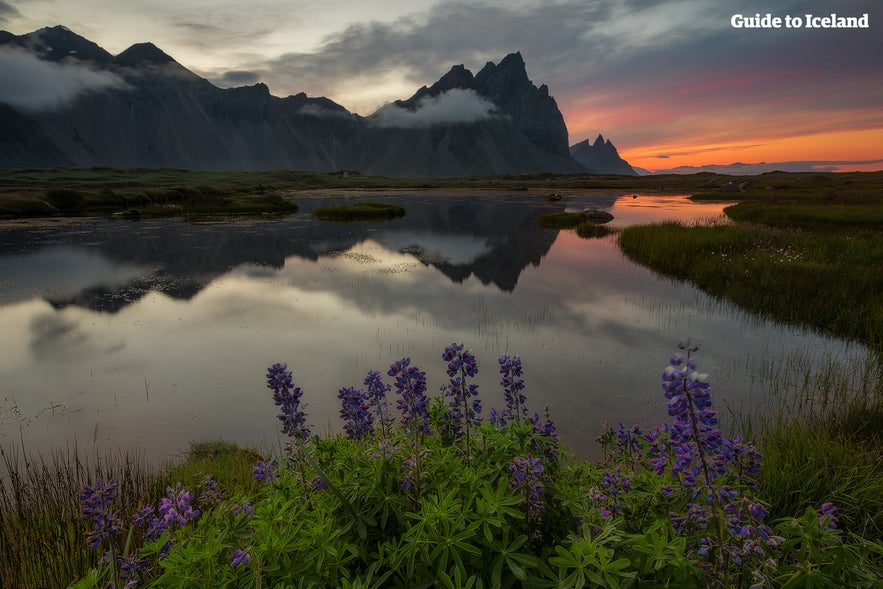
point(156, 333)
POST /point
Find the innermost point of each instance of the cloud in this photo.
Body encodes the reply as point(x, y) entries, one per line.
point(454, 106)
point(7, 11)
point(237, 78)
point(29, 83)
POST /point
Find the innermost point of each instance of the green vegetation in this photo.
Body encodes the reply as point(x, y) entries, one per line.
point(41, 532)
point(360, 211)
point(803, 250)
point(591, 230)
point(803, 263)
point(424, 505)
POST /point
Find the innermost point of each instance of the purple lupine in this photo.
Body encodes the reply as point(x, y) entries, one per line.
point(628, 440)
point(410, 383)
point(511, 372)
point(354, 410)
point(211, 493)
point(175, 506)
point(463, 408)
point(287, 397)
point(263, 472)
point(614, 484)
point(240, 558)
point(407, 482)
point(497, 418)
point(827, 516)
point(97, 504)
point(527, 476)
point(241, 508)
point(694, 451)
point(377, 390)
point(544, 437)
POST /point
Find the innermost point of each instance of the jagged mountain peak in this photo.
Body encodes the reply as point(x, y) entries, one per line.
point(58, 43)
point(145, 109)
point(600, 157)
point(143, 54)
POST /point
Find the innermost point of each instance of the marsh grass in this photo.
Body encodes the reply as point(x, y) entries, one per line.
point(562, 220)
point(360, 211)
point(592, 230)
point(821, 431)
point(831, 282)
point(41, 532)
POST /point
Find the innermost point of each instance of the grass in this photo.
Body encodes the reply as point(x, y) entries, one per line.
point(360, 211)
point(41, 533)
point(829, 281)
point(807, 251)
point(592, 230)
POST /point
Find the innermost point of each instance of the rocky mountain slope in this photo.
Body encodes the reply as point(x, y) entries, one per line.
point(71, 103)
point(600, 157)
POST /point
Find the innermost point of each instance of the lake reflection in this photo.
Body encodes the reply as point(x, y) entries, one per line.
point(157, 333)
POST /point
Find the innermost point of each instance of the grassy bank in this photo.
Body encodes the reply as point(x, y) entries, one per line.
point(360, 211)
point(41, 531)
point(157, 191)
point(809, 256)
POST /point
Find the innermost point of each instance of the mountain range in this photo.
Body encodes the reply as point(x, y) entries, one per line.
point(65, 101)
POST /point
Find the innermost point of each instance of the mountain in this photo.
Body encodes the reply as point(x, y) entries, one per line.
point(75, 104)
point(600, 157)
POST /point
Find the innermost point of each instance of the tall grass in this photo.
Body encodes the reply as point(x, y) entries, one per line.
point(831, 282)
point(821, 431)
point(41, 533)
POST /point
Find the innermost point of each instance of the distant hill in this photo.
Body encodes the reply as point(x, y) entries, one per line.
point(68, 102)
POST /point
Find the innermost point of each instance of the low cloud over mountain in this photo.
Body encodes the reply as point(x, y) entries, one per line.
point(32, 84)
point(451, 107)
point(65, 101)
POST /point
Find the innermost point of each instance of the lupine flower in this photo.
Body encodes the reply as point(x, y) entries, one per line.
point(354, 410)
point(287, 397)
point(545, 439)
point(377, 390)
point(628, 440)
point(133, 569)
point(240, 558)
point(384, 450)
point(527, 475)
point(317, 484)
point(97, 503)
point(511, 372)
point(497, 418)
point(462, 407)
point(175, 506)
point(410, 383)
point(827, 517)
point(407, 482)
point(211, 493)
point(263, 472)
point(243, 507)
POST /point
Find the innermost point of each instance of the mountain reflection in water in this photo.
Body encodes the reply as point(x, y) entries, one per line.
point(159, 332)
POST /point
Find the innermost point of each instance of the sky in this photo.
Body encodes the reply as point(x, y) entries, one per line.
point(670, 82)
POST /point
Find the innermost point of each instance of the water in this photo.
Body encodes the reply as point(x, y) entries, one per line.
point(157, 333)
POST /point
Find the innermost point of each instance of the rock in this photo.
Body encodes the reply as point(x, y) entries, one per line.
point(599, 216)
